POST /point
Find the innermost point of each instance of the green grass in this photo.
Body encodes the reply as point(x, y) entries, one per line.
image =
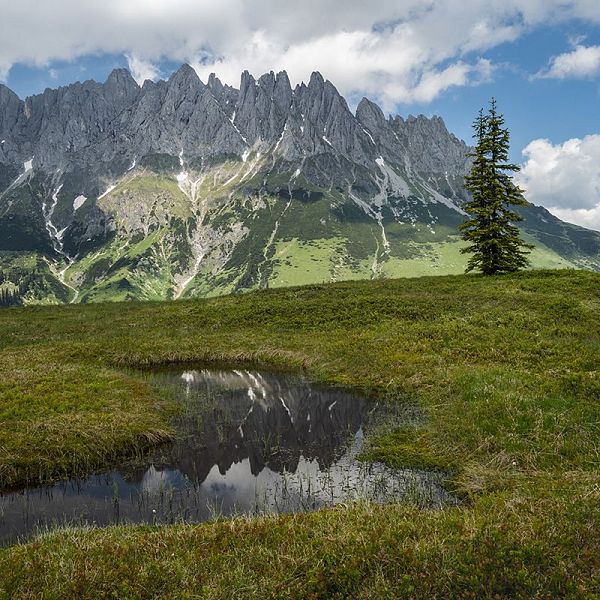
point(505, 369)
point(301, 262)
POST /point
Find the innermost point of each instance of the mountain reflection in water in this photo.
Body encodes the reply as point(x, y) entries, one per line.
point(248, 442)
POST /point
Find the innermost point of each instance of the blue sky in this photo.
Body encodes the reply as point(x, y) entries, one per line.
point(539, 58)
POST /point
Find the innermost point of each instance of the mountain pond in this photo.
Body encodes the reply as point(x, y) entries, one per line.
point(247, 443)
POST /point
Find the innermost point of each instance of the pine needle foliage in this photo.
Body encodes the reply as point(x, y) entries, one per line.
point(494, 240)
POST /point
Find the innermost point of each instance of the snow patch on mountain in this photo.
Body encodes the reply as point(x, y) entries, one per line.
point(109, 189)
point(79, 202)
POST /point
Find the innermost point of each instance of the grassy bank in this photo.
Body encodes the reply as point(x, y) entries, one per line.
point(506, 370)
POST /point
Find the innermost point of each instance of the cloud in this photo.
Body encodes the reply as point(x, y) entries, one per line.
point(393, 50)
point(589, 218)
point(391, 66)
point(142, 69)
point(582, 61)
point(4, 70)
point(565, 178)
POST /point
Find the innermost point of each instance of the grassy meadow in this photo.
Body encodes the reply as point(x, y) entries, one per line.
point(505, 369)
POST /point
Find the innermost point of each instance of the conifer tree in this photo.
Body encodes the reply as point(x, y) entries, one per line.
point(494, 240)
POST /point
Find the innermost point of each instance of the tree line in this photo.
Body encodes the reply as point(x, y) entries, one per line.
point(11, 297)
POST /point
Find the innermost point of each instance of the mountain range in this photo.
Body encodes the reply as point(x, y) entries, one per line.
point(178, 188)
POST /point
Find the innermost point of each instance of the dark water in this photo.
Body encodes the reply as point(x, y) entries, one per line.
point(248, 443)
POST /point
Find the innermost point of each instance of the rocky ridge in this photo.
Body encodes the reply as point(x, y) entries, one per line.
point(203, 171)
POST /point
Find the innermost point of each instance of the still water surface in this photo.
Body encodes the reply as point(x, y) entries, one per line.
point(248, 442)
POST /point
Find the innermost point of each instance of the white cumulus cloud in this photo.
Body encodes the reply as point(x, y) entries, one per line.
point(582, 61)
point(565, 178)
point(142, 69)
point(392, 66)
point(392, 50)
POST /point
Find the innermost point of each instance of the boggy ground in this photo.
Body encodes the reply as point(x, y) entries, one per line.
point(506, 370)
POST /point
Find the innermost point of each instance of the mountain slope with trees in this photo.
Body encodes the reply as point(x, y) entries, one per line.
point(184, 188)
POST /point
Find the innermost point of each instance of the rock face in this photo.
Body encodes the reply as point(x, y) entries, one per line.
point(203, 188)
point(84, 124)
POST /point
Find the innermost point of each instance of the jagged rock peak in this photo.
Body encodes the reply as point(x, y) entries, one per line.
point(421, 118)
point(121, 76)
point(368, 112)
point(267, 79)
point(185, 75)
point(316, 79)
point(246, 81)
point(121, 83)
point(214, 83)
point(283, 79)
point(7, 95)
point(282, 90)
point(150, 85)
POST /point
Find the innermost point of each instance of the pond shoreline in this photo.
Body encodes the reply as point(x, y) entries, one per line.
point(245, 442)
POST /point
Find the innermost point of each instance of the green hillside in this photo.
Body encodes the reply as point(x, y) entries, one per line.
point(505, 370)
point(235, 227)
